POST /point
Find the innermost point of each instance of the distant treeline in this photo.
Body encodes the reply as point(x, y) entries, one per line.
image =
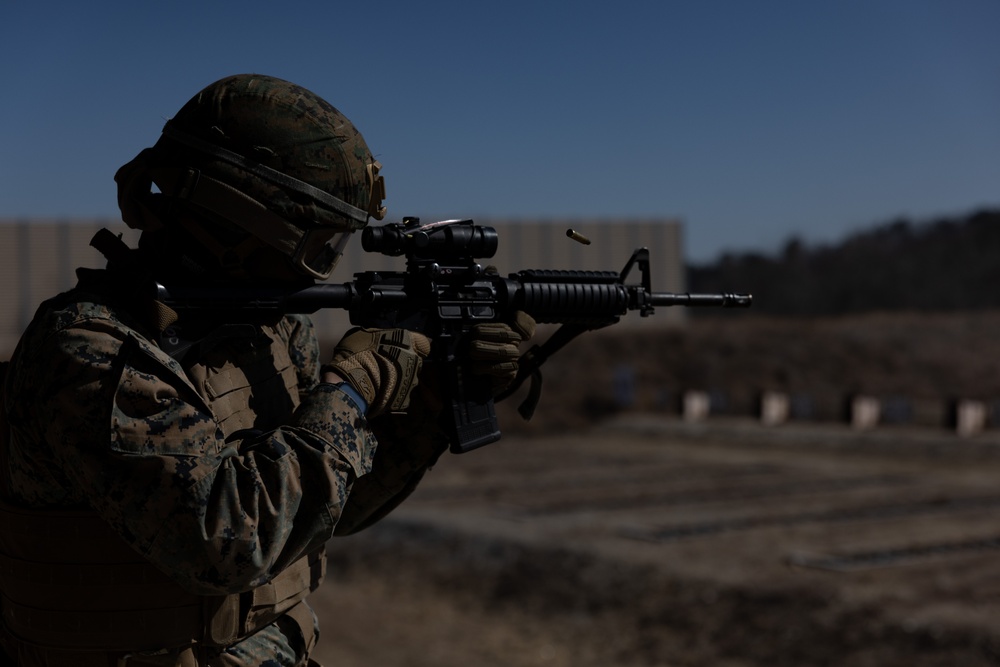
point(942, 265)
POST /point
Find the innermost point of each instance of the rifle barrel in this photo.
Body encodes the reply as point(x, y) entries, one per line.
point(724, 300)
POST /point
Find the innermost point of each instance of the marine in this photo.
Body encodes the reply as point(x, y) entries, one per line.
point(167, 487)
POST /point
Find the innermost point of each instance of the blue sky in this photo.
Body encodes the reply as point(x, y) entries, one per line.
point(750, 121)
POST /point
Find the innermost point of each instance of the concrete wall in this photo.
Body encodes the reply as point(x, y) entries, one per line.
point(38, 259)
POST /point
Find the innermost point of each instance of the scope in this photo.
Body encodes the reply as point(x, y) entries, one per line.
point(446, 240)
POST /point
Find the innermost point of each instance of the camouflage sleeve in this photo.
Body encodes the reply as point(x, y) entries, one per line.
point(133, 437)
point(408, 446)
point(304, 349)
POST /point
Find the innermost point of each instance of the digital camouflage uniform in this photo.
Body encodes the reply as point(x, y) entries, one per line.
point(172, 509)
point(189, 464)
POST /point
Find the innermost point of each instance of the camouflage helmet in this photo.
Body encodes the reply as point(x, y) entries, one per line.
point(266, 156)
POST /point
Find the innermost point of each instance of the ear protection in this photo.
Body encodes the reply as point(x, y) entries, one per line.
point(136, 200)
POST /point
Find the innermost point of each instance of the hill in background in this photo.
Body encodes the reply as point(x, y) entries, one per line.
point(942, 265)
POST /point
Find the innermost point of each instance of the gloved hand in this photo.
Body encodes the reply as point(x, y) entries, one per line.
point(493, 349)
point(382, 365)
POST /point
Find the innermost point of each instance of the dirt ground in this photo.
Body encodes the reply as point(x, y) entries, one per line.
point(607, 531)
point(647, 541)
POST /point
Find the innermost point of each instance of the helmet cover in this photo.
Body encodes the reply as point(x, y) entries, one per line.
point(270, 157)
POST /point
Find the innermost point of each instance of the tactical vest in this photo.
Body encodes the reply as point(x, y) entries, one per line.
point(74, 593)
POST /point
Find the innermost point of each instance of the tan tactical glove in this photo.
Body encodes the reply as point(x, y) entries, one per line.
point(382, 365)
point(493, 349)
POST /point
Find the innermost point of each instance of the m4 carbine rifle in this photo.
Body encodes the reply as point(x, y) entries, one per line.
point(443, 293)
